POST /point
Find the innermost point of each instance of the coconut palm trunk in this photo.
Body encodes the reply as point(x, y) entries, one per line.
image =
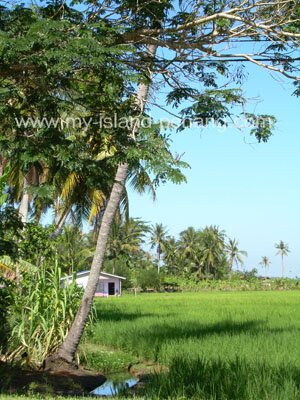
point(60, 223)
point(158, 258)
point(24, 206)
point(1, 166)
point(66, 352)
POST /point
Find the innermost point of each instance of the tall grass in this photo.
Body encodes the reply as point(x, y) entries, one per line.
point(241, 345)
point(41, 313)
point(201, 378)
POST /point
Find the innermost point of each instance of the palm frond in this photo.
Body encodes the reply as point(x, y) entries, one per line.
point(141, 182)
point(98, 201)
point(7, 271)
point(15, 180)
point(71, 182)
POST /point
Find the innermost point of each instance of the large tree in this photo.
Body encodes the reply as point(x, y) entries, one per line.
point(182, 47)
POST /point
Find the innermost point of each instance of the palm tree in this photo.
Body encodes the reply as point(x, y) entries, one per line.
point(212, 249)
point(126, 238)
point(157, 240)
point(73, 250)
point(235, 255)
point(189, 250)
point(171, 254)
point(189, 242)
point(265, 263)
point(283, 250)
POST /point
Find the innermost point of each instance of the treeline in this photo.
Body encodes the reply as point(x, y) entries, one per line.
point(145, 254)
point(133, 246)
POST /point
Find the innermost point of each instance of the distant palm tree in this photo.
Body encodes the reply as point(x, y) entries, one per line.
point(189, 243)
point(265, 263)
point(73, 250)
point(170, 254)
point(157, 240)
point(212, 244)
point(126, 238)
point(283, 250)
point(234, 253)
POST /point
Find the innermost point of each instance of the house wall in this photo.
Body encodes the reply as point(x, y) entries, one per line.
point(102, 286)
point(82, 281)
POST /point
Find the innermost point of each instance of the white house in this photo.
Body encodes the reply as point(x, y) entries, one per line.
point(108, 284)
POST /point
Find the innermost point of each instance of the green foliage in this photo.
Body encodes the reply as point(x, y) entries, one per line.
point(36, 245)
point(263, 126)
point(239, 281)
point(149, 279)
point(198, 253)
point(211, 106)
point(6, 287)
point(105, 359)
point(10, 231)
point(3, 184)
point(82, 78)
point(74, 250)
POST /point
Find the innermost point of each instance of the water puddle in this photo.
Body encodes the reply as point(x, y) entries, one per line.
point(114, 385)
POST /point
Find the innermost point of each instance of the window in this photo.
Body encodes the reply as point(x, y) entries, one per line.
point(100, 287)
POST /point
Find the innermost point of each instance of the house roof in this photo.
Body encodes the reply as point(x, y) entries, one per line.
point(82, 273)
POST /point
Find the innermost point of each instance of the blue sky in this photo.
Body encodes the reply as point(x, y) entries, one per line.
point(251, 191)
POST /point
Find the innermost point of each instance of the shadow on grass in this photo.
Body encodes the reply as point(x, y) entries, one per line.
point(113, 314)
point(220, 380)
point(148, 341)
point(167, 332)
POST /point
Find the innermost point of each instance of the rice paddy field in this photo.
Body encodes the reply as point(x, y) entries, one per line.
point(211, 345)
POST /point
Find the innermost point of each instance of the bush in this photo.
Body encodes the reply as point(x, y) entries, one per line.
point(238, 282)
point(149, 278)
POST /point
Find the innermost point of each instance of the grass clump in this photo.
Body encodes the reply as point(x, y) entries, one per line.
point(104, 359)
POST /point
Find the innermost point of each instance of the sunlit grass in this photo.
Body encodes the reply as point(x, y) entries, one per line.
point(216, 345)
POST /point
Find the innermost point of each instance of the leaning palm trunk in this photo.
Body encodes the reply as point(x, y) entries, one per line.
point(67, 350)
point(60, 223)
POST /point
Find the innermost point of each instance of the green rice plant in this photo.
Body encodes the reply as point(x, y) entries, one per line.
point(41, 314)
point(220, 380)
point(211, 345)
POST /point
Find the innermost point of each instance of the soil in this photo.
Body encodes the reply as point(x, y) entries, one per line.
point(18, 380)
point(69, 382)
